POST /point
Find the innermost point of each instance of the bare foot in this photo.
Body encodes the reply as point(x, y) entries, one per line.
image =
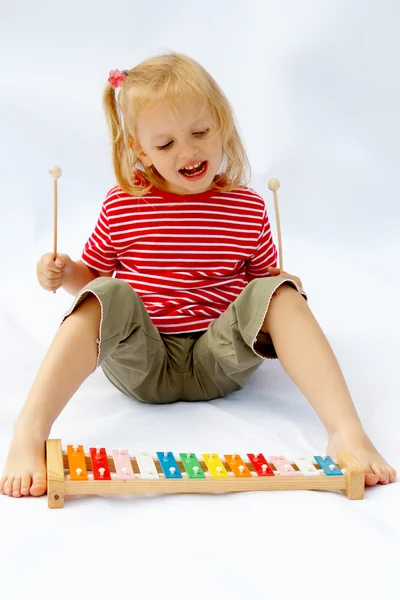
point(25, 470)
point(377, 470)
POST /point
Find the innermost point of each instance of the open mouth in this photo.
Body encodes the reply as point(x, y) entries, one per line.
point(196, 173)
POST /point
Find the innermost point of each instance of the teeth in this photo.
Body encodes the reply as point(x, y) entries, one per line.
point(193, 167)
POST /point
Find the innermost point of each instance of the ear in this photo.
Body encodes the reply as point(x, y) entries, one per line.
point(146, 160)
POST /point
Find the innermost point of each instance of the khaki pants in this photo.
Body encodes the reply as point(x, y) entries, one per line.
point(159, 368)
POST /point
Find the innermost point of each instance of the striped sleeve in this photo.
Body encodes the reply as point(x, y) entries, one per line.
point(99, 252)
point(266, 254)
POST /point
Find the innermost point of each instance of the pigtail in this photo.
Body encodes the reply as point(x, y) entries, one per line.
point(119, 144)
point(115, 129)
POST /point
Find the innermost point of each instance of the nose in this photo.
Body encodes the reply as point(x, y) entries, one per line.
point(187, 149)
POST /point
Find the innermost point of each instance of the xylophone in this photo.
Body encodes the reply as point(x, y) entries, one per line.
point(74, 473)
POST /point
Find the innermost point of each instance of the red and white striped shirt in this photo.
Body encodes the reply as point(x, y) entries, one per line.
point(186, 256)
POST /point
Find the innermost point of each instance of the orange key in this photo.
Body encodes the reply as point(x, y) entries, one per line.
point(77, 463)
point(237, 465)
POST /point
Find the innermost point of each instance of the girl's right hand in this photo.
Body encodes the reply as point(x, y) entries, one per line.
point(53, 273)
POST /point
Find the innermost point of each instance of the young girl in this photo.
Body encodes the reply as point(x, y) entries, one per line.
point(177, 292)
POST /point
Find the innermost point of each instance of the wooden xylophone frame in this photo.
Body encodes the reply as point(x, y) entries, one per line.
point(351, 483)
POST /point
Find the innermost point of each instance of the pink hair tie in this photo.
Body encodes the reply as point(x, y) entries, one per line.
point(117, 77)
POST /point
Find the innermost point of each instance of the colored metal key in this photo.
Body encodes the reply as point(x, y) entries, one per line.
point(306, 466)
point(215, 465)
point(77, 463)
point(237, 465)
point(101, 470)
point(146, 464)
point(123, 465)
point(283, 466)
point(169, 465)
point(191, 465)
point(328, 465)
point(261, 465)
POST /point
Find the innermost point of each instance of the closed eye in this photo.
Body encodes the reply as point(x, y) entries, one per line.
point(200, 133)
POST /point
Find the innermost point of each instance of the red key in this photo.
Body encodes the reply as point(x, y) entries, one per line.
point(100, 467)
point(261, 465)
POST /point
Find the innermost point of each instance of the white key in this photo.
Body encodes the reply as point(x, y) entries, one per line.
point(146, 465)
point(306, 466)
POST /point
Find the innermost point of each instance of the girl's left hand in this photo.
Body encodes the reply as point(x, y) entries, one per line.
point(274, 272)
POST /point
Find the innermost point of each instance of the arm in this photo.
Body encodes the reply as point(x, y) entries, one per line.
point(98, 252)
point(79, 275)
point(265, 255)
point(264, 261)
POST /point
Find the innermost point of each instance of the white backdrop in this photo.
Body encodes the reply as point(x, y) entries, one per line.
point(315, 89)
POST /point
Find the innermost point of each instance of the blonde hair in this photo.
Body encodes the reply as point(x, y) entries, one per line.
point(169, 79)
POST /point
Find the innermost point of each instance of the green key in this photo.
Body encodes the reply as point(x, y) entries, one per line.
point(191, 465)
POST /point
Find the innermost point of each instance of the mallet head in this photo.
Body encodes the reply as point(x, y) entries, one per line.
point(273, 185)
point(55, 172)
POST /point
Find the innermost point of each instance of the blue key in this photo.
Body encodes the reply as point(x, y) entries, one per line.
point(169, 465)
point(327, 464)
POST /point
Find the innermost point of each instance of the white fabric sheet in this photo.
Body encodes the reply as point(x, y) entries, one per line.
point(320, 113)
point(288, 544)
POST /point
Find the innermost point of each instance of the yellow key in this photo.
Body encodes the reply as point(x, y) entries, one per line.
point(77, 463)
point(215, 465)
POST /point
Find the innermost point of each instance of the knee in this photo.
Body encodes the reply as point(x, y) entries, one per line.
point(115, 296)
point(87, 302)
point(286, 290)
point(120, 291)
point(111, 286)
point(285, 298)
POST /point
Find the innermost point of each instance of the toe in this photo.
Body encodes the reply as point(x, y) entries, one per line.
point(382, 472)
point(38, 487)
point(8, 486)
point(371, 478)
point(2, 482)
point(25, 485)
point(16, 488)
point(392, 475)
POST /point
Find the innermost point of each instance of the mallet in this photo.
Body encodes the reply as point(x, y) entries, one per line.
point(273, 185)
point(55, 173)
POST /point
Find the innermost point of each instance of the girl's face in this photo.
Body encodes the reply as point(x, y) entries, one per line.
point(171, 142)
